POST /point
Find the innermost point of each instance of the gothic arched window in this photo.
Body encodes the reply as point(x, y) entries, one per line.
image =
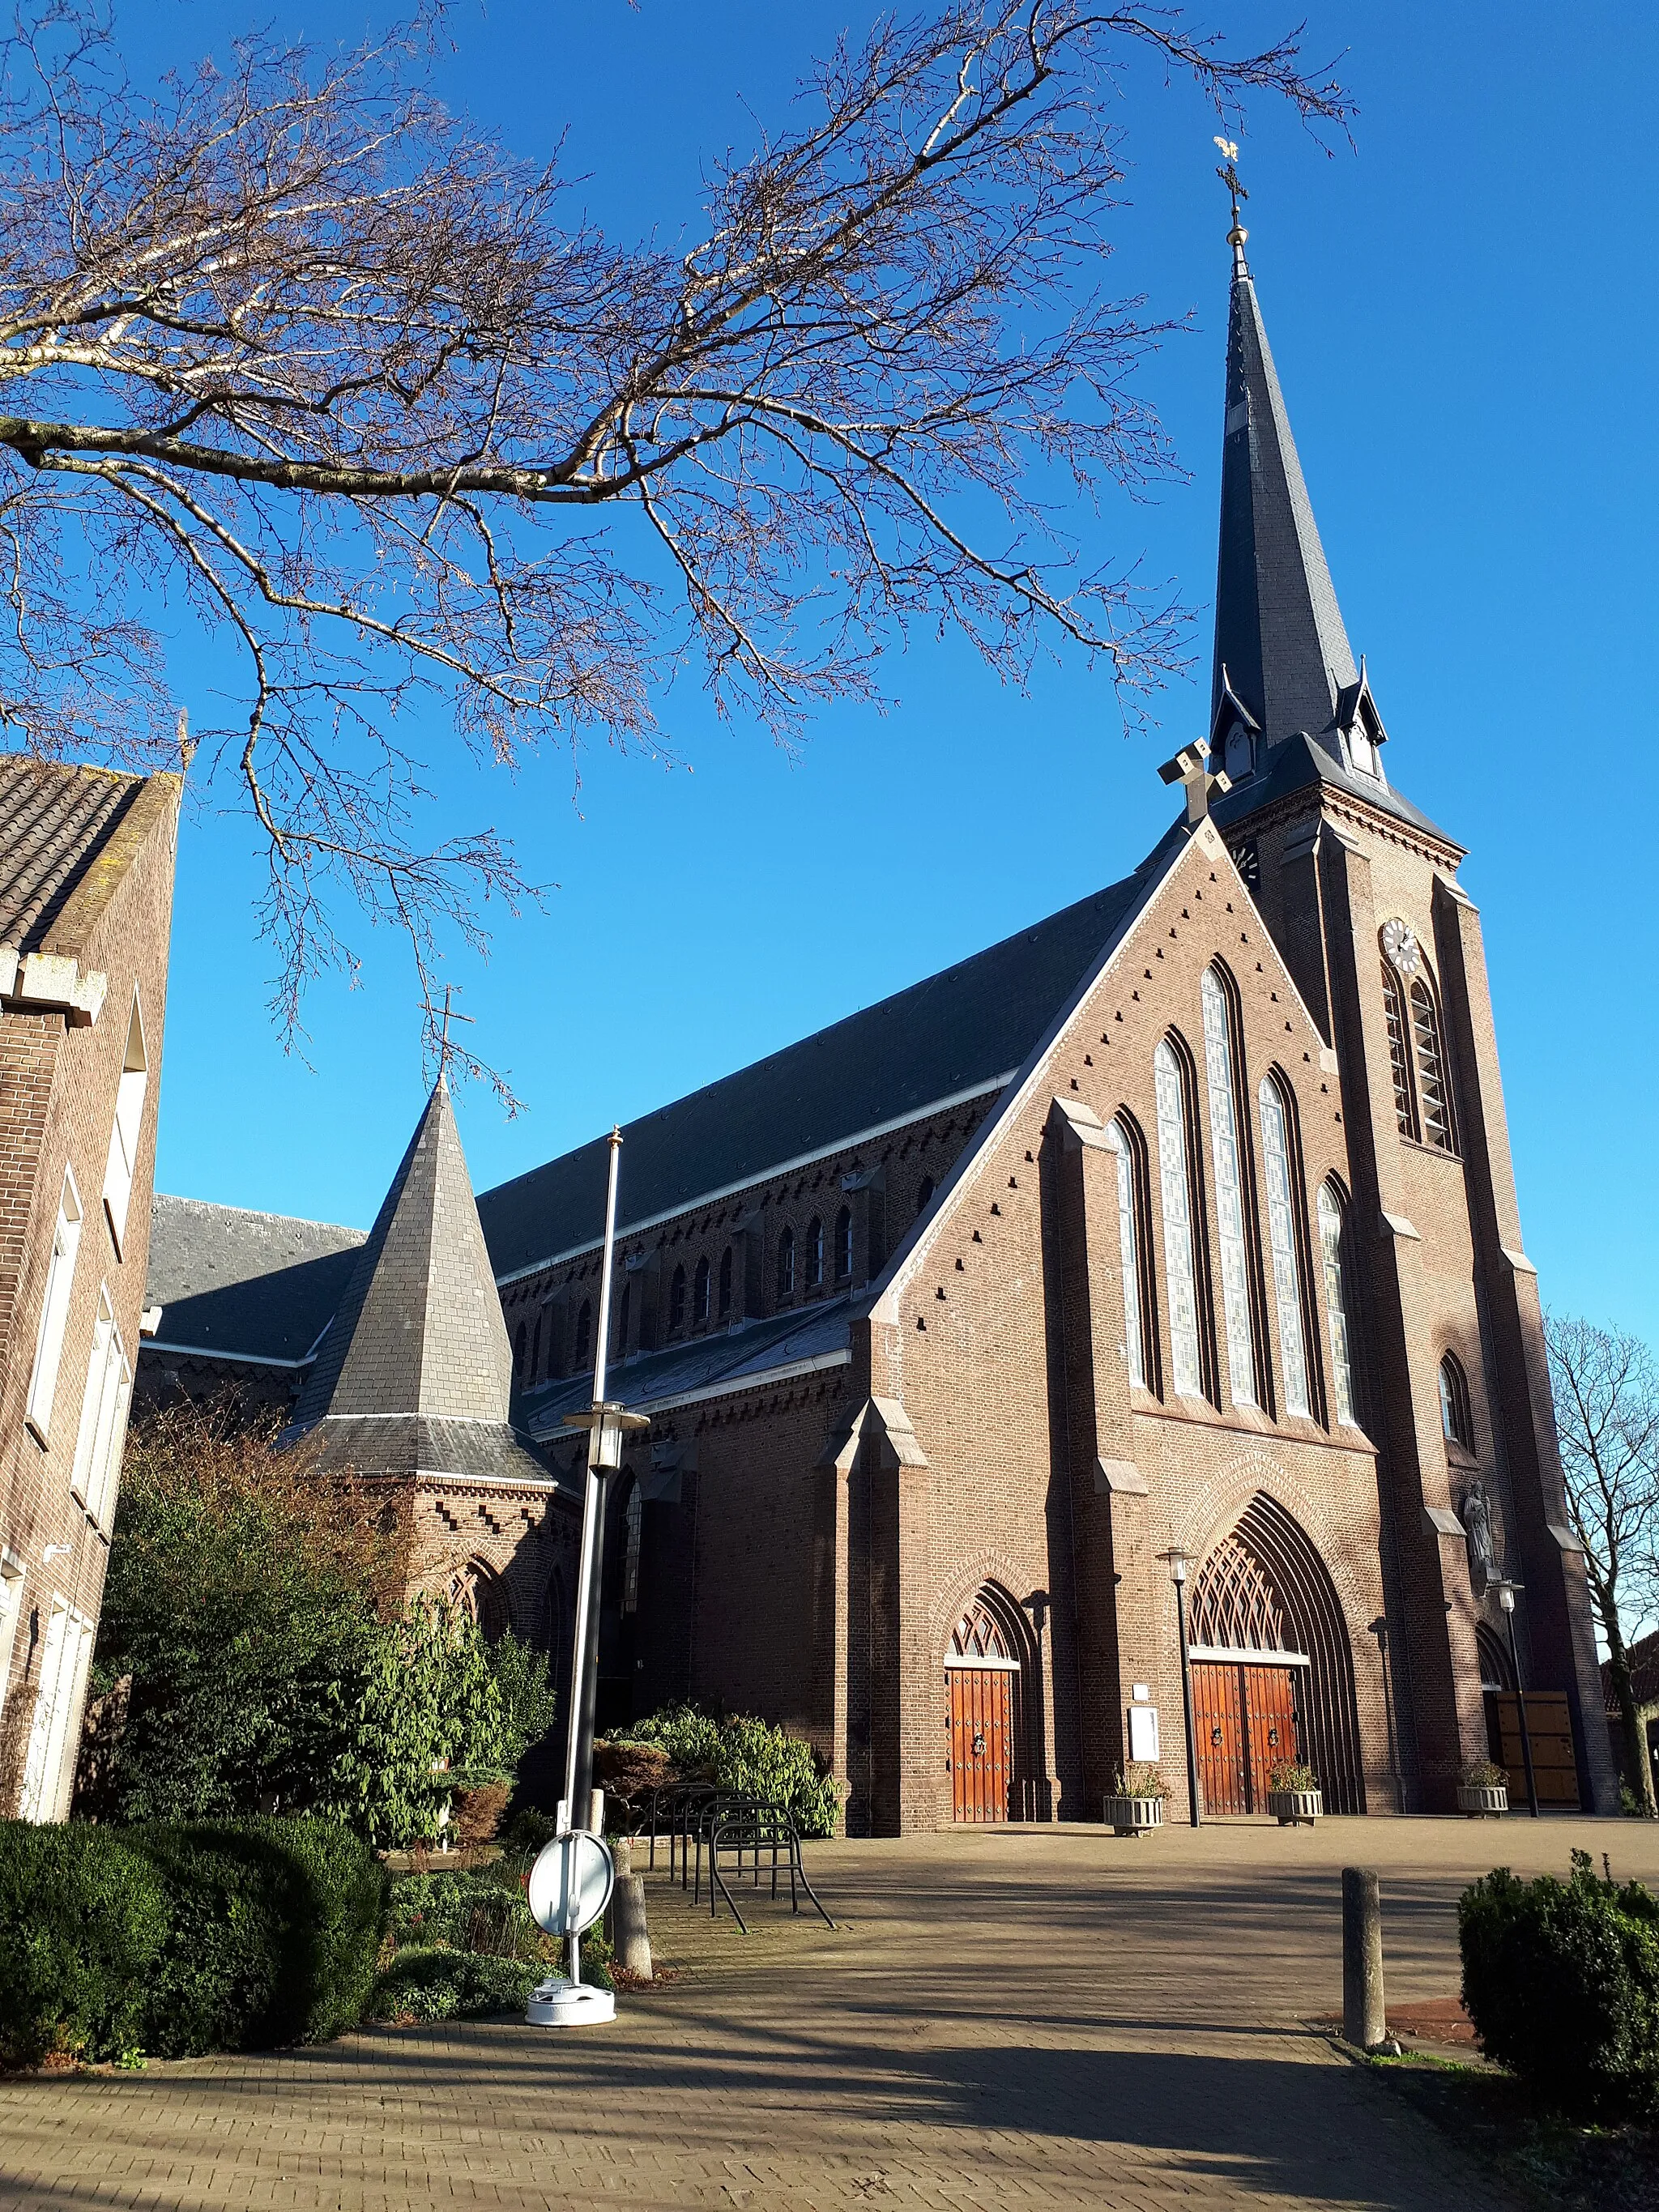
point(1225, 1152)
point(1400, 1051)
point(1455, 1420)
point(518, 1349)
point(1282, 1242)
point(633, 1531)
point(677, 1299)
point(584, 1338)
point(1432, 1093)
point(924, 1196)
point(844, 1245)
point(725, 1282)
point(700, 1291)
point(1119, 1142)
point(787, 1264)
point(1332, 1223)
point(1186, 1354)
point(814, 1254)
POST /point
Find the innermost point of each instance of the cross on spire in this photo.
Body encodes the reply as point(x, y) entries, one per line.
point(445, 1048)
point(1191, 767)
point(1228, 173)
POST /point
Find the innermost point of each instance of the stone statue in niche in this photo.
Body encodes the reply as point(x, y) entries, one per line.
point(1477, 1527)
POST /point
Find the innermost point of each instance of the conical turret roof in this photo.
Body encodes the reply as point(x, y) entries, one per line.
point(1279, 632)
point(420, 1329)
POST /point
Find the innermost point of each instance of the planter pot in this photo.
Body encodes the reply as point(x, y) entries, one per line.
point(1133, 1816)
point(1482, 1802)
point(1291, 1807)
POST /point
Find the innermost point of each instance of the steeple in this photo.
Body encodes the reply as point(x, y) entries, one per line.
point(1280, 647)
point(420, 1330)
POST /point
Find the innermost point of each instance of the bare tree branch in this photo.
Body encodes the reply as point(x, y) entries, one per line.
point(1607, 1411)
point(292, 346)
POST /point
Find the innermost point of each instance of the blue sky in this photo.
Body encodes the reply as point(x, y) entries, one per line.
point(1463, 317)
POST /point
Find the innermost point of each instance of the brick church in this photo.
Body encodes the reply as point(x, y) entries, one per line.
point(1177, 1230)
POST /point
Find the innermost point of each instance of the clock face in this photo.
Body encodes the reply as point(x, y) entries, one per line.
point(1400, 946)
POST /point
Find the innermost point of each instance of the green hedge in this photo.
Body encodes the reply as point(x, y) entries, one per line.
point(182, 1938)
point(1561, 1980)
point(83, 1918)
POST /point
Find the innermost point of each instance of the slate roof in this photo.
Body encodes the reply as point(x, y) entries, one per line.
point(54, 821)
point(726, 1357)
point(230, 1281)
point(1299, 763)
point(405, 1447)
point(1279, 631)
point(959, 1031)
point(419, 1328)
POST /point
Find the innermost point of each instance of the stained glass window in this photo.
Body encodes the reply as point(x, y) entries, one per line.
point(1228, 1190)
point(1336, 1300)
point(1281, 1238)
point(1185, 1359)
point(1129, 1252)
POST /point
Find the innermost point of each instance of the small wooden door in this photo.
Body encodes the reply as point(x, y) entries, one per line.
point(1246, 1722)
point(980, 1731)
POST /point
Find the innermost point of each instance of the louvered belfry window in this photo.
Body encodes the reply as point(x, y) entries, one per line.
point(1431, 1068)
point(1400, 1052)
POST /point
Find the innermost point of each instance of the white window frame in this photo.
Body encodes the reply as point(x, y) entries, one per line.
point(128, 1126)
point(54, 1310)
point(103, 1416)
point(55, 1737)
point(13, 1575)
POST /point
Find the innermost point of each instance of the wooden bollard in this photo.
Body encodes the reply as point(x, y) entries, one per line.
point(1364, 2014)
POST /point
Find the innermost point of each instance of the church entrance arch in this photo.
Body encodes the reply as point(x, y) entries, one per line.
point(1273, 1669)
point(983, 1716)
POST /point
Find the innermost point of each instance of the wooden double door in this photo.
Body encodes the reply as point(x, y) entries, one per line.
point(1247, 1718)
point(978, 1724)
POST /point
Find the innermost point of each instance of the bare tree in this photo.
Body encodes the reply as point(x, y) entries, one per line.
point(296, 350)
point(1607, 1411)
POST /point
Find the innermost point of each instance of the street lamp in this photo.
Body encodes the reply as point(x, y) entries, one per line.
point(1176, 1559)
point(1507, 1593)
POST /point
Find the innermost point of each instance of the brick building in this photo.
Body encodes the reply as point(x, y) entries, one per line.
point(1181, 1224)
point(86, 906)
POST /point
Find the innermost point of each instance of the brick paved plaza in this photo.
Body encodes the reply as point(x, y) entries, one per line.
point(1038, 2016)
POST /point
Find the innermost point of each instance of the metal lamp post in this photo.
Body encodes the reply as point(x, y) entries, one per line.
point(606, 1422)
point(1177, 1561)
point(1507, 1593)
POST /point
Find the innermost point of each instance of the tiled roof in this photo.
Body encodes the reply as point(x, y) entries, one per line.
point(1643, 1660)
point(54, 820)
point(1300, 762)
point(725, 1358)
point(959, 1033)
point(231, 1281)
point(408, 1446)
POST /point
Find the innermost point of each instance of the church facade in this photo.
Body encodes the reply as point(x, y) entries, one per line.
point(1167, 1252)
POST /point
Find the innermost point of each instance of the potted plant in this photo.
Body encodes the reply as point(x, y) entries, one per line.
point(1293, 1794)
point(1483, 1791)
point(1135, 1801)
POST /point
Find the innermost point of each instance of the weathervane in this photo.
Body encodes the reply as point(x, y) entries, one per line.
point(445, 1048)
point(1229, 176)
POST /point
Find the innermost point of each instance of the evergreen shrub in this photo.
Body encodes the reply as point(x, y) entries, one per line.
point(739, 1751)
point(1561, 1980)
point(82, 1921)
point(182, 1938)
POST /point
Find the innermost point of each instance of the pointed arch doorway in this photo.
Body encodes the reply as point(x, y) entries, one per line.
point(983, 1715)
point(1272, 1667)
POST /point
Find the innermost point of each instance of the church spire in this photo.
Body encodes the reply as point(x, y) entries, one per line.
point(420, 1329)
point(1280, 649)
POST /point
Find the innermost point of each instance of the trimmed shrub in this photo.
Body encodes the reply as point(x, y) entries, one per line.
point(1562, 1983)
point(184, 1938)
point(82, 1921)
point(275, 1929)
